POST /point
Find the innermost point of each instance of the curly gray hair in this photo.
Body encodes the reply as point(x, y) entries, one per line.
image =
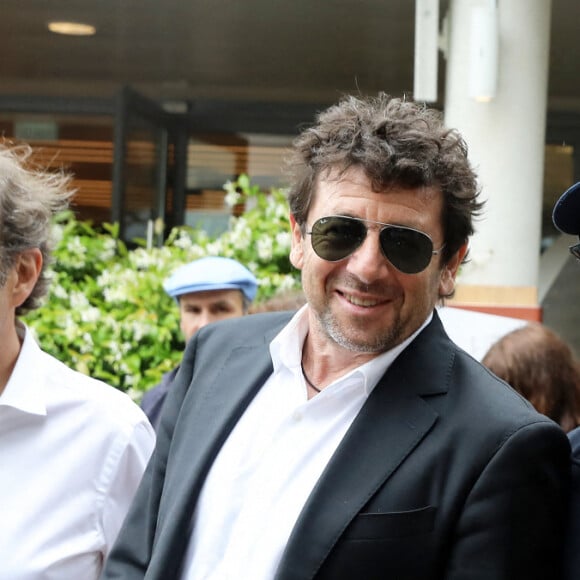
point(29, 198)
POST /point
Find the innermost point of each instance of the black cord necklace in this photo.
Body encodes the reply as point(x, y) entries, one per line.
point(308, 381)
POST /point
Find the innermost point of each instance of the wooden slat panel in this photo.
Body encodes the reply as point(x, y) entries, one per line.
point(92, 193)
point(207, 199)
point(63, 152)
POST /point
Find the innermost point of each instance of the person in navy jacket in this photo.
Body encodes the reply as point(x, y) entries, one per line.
point(566, 217)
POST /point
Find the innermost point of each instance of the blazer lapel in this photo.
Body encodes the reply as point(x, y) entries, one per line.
point(388, 428)
point(206, 419)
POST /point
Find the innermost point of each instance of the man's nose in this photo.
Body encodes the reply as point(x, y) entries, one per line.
point(204, 319)
point(368, 263)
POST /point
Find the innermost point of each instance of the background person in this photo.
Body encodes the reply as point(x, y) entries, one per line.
point(566, 217)
point(538, 364)
point(206, 290)
point(475, 332)
point(286, 300)
point(72, 449)
point(353, 439)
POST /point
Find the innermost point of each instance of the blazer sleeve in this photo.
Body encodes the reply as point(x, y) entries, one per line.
point(572, 555)
point(513, 522)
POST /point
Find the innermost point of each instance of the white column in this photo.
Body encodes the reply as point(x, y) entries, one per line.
point(505, 138)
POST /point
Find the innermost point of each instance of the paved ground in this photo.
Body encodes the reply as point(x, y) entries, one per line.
point(561, 305)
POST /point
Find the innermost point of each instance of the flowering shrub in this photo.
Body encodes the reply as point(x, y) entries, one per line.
point(107, 314)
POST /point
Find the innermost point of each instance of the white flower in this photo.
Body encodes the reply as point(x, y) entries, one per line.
point(196, 252)
point(183, 241)
point(232, 198)
point(116, 294)
point(115, 351)
point(214, 248)
point(139, 329)
point(109, 249)
point(70, 327)
point(286, 283)
point(77, 253)
point(135, 394)
point(283, 240)
point(126, 347)
point(57, 233)
point(241, 235)
point(124, 369)
point(87, 343)
point(143, 259)
point(78, 301)
point(105, 279)
point(75, 246)
point(59, 292)
point(90, 314)
point(264, 247)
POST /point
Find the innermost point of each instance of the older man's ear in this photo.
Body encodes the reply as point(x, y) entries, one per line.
point(26, 271)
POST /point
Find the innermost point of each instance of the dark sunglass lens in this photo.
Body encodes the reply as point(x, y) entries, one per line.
point(408, 250)
point(335, 238)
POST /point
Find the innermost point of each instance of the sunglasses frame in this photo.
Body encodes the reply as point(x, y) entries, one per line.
point(575, 250)
point(383, 227)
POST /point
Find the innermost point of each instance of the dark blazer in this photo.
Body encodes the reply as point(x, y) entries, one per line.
point(445, 473)
point(153, 399)
point(573, 536)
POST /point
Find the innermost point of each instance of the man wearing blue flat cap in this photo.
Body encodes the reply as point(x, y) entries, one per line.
point(206, 290)
point(566, 217)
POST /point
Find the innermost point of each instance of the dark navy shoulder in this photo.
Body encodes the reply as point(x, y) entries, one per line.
point(574, 437)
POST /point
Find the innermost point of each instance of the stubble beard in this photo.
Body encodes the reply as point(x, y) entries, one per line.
point(380, 343)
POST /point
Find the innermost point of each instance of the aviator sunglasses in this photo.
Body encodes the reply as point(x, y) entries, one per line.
point(336, 237)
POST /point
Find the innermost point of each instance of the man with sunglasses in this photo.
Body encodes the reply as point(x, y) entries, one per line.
point(353, 439)
point(566, 217)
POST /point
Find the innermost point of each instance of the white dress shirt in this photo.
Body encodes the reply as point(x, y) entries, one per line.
point(271, 462)
point(72, 453)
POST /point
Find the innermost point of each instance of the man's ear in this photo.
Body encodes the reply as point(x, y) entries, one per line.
point(27, 270)
point(449, 272)
point(297, 249)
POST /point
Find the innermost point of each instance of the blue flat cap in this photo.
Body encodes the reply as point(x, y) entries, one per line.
point(566, 214)
point(211, 273)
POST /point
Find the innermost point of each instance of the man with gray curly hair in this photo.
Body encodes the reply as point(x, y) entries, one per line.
point(353, 439)
point(72, 449)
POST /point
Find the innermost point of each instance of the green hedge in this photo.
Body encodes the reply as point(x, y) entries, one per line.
point(107, 314)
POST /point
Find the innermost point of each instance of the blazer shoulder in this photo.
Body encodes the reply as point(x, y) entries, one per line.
point(492, 392)
point(473, 395)
point(245, 329)
point(574, 437)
